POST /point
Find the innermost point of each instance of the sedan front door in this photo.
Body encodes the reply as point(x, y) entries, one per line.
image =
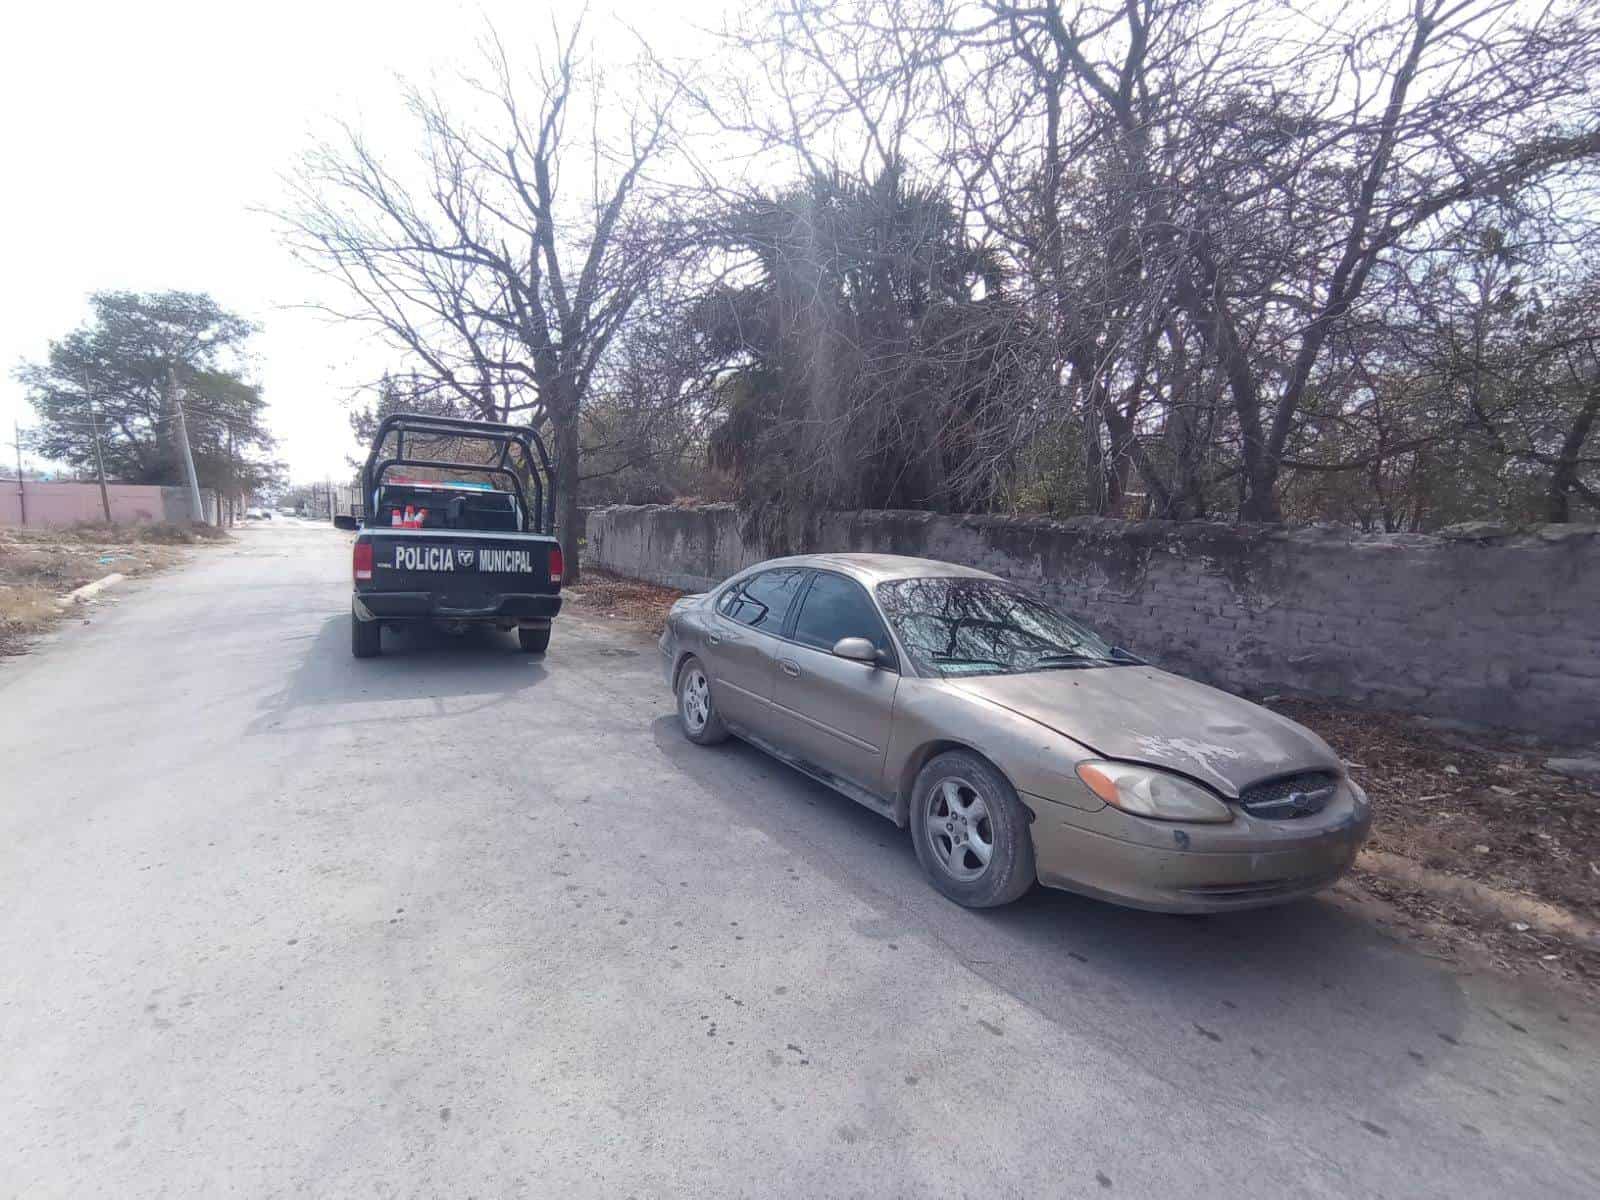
point(831, 713)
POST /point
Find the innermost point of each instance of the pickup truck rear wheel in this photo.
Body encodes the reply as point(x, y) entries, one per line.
point(534, 640)
point(365, 637)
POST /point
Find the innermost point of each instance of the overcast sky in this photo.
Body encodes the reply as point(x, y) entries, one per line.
point(139, 137)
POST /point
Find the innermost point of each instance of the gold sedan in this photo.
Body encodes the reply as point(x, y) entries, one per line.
point(1016, 744)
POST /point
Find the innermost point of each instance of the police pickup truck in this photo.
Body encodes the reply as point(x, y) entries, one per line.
point(453, 552)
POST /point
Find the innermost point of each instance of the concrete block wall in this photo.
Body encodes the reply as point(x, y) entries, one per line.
point(40, 505)
point(1479, 624)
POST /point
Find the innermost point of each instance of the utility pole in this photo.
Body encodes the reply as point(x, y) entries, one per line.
point(195, 507)
point(99, 458)
point(22, 492)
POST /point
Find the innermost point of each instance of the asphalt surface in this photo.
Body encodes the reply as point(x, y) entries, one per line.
point(462, 922)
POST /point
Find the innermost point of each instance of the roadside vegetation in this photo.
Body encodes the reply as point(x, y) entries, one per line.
point(145, 374)
point(1181, 259)
point(1171, 259)
point(40, 568)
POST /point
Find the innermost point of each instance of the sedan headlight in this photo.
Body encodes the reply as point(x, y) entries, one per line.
point(1146, 792)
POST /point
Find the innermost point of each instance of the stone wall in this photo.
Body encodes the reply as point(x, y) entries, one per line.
point(1479, 623)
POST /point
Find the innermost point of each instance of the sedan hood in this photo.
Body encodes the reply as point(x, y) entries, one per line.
point(1140, 714)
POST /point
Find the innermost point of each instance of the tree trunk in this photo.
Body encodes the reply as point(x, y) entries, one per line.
point(1261, 494)
point(1129, 459)
point(1258, 478)
point(1564, 479)
point(566, 487)
point(1105, 478)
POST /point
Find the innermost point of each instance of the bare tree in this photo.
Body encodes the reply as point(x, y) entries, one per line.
point(1207, 198)
point(510, 254)
point(1407, 127)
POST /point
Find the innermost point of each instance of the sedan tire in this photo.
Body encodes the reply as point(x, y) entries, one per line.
point(971, 832)
point(697, 711)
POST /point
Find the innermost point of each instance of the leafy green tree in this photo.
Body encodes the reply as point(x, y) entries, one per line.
point(113, 375)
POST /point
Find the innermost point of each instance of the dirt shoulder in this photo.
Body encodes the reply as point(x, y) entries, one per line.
point(1480, 848)
point(40, 567)
point(1479, 852)
point(603, 594)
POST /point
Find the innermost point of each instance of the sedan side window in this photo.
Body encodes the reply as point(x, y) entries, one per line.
point(836, 608)
point(762, 601)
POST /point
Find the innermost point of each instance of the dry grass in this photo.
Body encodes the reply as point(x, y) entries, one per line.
point(38, 566)
point(157, 533)
point(25, 610)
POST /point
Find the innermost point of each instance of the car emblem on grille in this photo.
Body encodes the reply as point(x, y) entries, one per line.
point(464, 557)
point(1294, 804)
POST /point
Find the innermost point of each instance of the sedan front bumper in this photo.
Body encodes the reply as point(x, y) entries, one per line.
point(1190, 868)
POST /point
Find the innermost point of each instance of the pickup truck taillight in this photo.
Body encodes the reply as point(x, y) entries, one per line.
point(557, 565)
point(361, 560)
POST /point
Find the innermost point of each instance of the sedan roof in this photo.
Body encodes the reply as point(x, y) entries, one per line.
point(877, 568)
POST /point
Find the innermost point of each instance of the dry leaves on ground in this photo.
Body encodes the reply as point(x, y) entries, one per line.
point(1480, 806)
point(608, 595)
point(1474, 805)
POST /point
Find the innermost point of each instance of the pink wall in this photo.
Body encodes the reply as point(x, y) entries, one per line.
point(50, 505)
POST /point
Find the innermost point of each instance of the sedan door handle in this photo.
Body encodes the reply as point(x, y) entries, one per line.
point(789, 667)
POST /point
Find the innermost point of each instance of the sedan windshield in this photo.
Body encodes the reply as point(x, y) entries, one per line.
point(960, 626)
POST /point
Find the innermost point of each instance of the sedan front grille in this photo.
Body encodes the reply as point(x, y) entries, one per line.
point(1290, 797)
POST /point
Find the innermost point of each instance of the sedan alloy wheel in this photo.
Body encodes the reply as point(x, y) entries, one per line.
point(960, 831)
point(696, 700)
point(971, 831)
point(697, 709)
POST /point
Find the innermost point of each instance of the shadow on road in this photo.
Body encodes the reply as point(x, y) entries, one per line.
point(1296, 986)
point(417, 663)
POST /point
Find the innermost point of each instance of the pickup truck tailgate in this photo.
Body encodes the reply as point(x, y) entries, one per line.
point(447, 572)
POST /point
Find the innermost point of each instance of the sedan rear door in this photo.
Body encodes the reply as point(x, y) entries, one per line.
point(834, 714)
point(741, 641)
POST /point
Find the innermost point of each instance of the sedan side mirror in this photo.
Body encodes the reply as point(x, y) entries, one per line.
point(856, 649)
point(346, 522)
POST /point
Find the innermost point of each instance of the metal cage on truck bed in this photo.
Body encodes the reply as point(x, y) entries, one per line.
point(534, 466)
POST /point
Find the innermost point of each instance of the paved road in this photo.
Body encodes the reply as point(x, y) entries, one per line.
point(458, 922)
